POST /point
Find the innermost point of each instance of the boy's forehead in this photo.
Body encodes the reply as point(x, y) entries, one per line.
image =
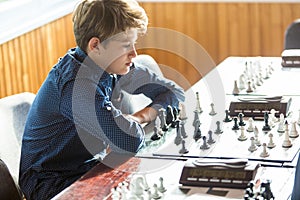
point(125, 36)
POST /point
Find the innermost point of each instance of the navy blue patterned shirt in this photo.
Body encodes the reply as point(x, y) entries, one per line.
point(75, 116)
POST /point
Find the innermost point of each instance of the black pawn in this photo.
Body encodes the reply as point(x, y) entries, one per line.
point(218, 130)
point(266, 127)
point(241, 117)
point(235, 126)
point(210, 139)
point(155, 135)
point(197, 131)
point(183, 149)
point(227, 117)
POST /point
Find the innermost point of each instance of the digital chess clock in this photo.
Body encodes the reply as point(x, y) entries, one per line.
point(227, 173)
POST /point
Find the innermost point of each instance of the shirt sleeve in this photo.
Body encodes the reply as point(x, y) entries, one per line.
point(89, 107)
point(163, 92)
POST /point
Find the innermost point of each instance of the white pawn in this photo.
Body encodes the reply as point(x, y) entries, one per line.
point(235, 88)
point(271, 144)
point(264, 153)
point(286, 143)
point(252, 146)
point(242, 136)
point(250, 127)
point(212, 112)
point(257, 141)
point(182, 113)
point(161, 187)
point(155, 194)
point(294, 132)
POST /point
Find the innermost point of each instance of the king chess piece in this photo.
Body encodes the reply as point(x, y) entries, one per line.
point(266, 127)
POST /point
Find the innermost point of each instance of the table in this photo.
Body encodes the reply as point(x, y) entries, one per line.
point(161, 158)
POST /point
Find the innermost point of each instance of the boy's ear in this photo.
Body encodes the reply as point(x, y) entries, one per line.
point(94, 44)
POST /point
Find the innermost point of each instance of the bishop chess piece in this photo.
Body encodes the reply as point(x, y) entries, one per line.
point(197, 131)
point(178, 137)
point(294, 132)
point(286, 142)
point(253, 145)
point(227, 117)
point(198, 107)
point(242, 136)
point(210, 138)
point(235, 90)
point(212, 112)
point(204, 146)
point(218, 130)
point(264, 153)
point(250, 127)
point(235, 126)
point(162, 117)
point(266, 127)
point(271, 143)
point(183, 149)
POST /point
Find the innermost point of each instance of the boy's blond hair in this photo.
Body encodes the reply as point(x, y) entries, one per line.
point(106, 18)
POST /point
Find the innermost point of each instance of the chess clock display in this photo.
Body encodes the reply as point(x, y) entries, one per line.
point(227, 173)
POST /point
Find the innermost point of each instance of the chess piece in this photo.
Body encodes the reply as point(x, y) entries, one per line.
point(182, 113)
point(183, 149)
point(204, 146)
point(212, 112)
point(241, 118)
point(196, 119)
point(235, 126)
point(242, 82)
point(250, 127)
point(252, 146)
point(294, 132)
point(266, 127)
point(281, 128)
point(272, 116)
point(178, 137)
point(156, 135)
point(161, 187)
point(115, 195)
point(170, 116)
point(155, 194)
point(256, 132)
point(249, 89)
point(264, 153)
point(146, 186)
point(176, 117)
point(198, 107)
point(183, 132)
point(137, 186)
point(235, 90)
point(227, 117)
point(210, 139)
point(265, 188)
point(218, 130)
point(286, 142)
point(197, 131)
point(242, 136)
point(162, 117)
point(271, 144)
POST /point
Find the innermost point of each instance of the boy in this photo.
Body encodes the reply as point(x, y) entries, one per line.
point(75, 117)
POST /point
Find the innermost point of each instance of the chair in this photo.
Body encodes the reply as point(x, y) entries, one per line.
point(8, 189)
point(292, 35)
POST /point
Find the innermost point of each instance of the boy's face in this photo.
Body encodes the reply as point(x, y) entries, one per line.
point(118, 52)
